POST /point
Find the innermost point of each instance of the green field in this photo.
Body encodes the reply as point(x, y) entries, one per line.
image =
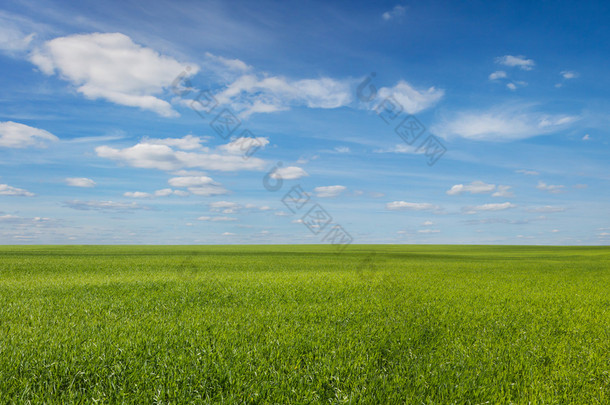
point(302, 324)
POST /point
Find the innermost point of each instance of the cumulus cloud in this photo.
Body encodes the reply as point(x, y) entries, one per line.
point(329, 191)
point(198, 185)
point(160, 156)
point(5, 189)
point(488, 207)
point(480, 187)
point(251, 93)
point(403, 205)
point(568, 74)
point(188, 142)
point(502, 124)
point(289, 173)
point(244, 145)
point(476, 187)
point(516, 61)
point(411, 99)
point(499, 74)
point(80, 182)
point(166, 192)
point(111, 66)
point(137, 194)
point(554, 189)
point(16, 135)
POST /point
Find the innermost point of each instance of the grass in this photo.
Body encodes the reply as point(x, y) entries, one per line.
point(301, 324)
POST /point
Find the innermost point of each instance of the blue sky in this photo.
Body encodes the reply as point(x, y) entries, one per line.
point(106, 137)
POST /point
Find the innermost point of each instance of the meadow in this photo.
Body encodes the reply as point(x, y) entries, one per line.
point(376, 324)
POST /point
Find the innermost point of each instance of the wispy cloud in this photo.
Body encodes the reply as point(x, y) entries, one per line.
point(329, 191)
point(516, 61)
point(5, 189)
point(16, 135)
point(555, 189)
point(527, 172)
point(217, 219)
point(395, 12)
point(403, 205)
point(547, 209)
point(103, 205)
point(502, 124)
point(487, 207)
point(410, 98)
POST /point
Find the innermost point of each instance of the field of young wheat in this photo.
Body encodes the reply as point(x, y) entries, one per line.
point(302, 324)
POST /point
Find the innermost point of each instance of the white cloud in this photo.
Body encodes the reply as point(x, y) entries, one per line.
point(5, 189)
point(112, 67)
point(476, 187)
point(235, 65)
point(396, 11)
point(516, 61)
point(402, 205)
point(428, 231)
point(166, 192)
point(527, 172)
point(427, 223)
point(16, 135)
point(499, 74)
point(241, 146)
point(399, 148)
point(137, 194)
point(103, 205)
point(289, 173)
point(16, 33)
point(198, 185)
point(488, 207)
point(547, 209)
point(190, 181)
point(13, 40)
point(152, 156)
point(217, 219)
point(342, 149)
point(550, 188)
point(503, 191)
point(568, 74)
point(224, 205)
point(188, 142)
point(80, 182)
point(586, 137)
point(511, 86)
point(329, 191)
point(411, 99)
point(502, 124)
point(251, 94)
point(228, 234)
